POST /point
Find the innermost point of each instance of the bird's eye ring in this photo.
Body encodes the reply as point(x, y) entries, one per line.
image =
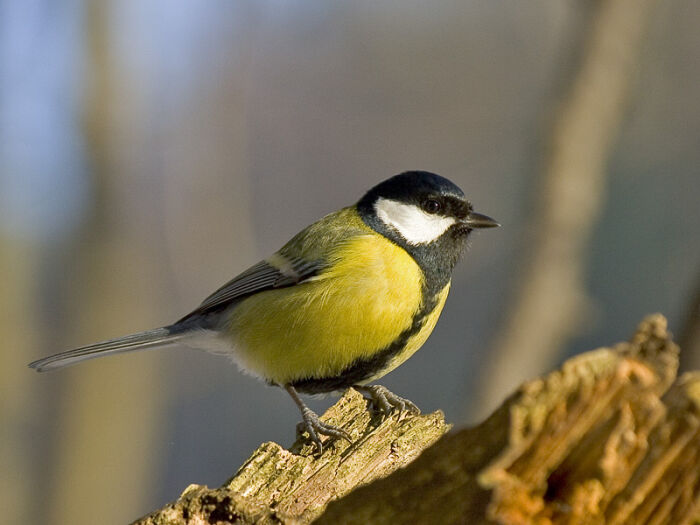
point(431, 206)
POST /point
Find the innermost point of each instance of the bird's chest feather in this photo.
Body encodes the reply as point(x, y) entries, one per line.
point(360, 304)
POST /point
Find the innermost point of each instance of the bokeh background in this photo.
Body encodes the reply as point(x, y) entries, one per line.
point(150, 150)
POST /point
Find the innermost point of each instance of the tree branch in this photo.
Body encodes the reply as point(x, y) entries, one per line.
point(293, 486)
point(608, 438)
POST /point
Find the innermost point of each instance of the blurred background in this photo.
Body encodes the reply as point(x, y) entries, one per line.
point(151, 150)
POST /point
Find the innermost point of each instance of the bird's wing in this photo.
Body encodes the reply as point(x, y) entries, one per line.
point(276, 272)
point(305, 256)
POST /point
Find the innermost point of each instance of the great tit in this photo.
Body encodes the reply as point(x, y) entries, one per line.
point(344, 302)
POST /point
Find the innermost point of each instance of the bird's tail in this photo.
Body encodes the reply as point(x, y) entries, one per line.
point(143, 340)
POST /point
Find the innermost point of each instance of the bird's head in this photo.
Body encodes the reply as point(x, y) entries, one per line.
point(418, 208)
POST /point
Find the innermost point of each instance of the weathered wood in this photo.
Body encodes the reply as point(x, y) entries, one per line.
point(594, 442)
point(293, 486)
point(608, 438)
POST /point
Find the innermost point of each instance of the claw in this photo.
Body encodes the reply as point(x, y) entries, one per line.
point(313, 425)
point(386, 401)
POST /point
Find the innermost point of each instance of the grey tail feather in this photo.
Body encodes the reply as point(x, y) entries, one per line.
point(156, 338)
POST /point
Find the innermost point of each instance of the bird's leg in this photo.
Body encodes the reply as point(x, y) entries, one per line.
point(386, 401)
point(313, 424)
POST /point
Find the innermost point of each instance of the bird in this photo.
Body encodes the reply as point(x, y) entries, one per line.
point(344, 302)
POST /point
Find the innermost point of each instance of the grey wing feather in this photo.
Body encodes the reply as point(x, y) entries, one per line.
point(257, 277)
point(262, 276)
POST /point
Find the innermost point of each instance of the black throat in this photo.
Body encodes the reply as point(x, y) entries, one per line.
point(436, 259)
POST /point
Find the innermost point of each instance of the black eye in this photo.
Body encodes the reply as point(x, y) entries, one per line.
point(431, 206)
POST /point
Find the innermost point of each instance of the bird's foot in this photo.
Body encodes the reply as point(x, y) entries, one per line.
point(313, 425)
point(386, 402)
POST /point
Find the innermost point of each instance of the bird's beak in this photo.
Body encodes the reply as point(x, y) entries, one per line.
point(477, 220)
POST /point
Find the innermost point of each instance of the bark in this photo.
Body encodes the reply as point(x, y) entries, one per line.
point(611, 437)
point(293, 486)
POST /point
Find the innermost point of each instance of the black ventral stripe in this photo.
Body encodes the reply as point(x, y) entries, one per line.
point(363, 369)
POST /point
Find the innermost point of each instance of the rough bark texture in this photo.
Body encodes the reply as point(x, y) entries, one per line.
point(608, 438)
point(294, 486)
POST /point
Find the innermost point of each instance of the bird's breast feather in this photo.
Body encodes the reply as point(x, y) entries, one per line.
point(360, 303)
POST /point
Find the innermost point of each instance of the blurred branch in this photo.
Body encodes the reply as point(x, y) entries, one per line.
point(690, 333)
point(602, 440)
point(551, 302)
point(95, 413)
point(19, 260)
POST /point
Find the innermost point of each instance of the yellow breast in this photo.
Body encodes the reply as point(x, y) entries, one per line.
point(360, 304)
point(416, 340)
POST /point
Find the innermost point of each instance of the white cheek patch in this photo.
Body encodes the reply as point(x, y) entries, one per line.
point(414, 225)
